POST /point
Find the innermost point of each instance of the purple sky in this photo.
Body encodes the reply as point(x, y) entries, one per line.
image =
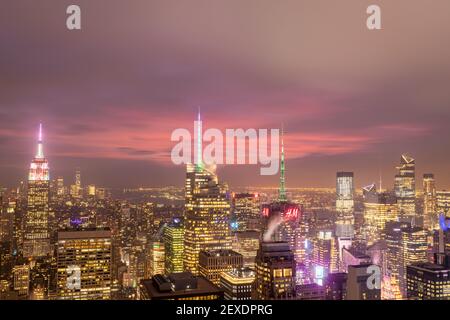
point(110, 95)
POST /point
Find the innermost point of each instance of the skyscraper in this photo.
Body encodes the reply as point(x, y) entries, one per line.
point(207, 212)
point(173, 238)
point(325, 255)
point(379, 208)
point(84, 264)
point(344, 205)
point(247, 211)
point(391, 278)
point(405, 189)
point(275, 272)
point(36, 241)
point(429, 281)
point(413, 249)
point(430, 214)
point(282, 218)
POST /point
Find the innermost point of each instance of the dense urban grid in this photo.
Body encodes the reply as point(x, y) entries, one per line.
point(206, 242)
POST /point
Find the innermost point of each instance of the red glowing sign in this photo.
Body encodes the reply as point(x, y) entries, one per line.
point(291, 213)
point(265, 212)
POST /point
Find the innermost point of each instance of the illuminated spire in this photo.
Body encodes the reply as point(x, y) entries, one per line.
point(282, 191)
point(40, 151)
point(199, 164)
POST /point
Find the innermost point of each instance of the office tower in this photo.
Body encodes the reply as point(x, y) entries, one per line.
point(443, 202)
point(21, 280)
point(213, 262)
point(310, 291)
point(413, 249)
point(282, 218)
point(156, 257)
point(247, 244)
point(179, 286)
point(36, 241)
point(275, 272)
point(430, 214)
point(391, 275)
point(84, 264)
point(336, 286)
point(207, 212)
point(173, 238)
point(429, 281)
point(237, 283)
point(379, 208)
point(247, 211)
point(357, 284)
point(344, 205)
point(324, 255)
point(405, 189)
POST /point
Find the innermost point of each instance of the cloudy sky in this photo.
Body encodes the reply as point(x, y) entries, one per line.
point(110, 95)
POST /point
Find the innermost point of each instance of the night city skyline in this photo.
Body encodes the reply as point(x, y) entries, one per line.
point(233, 152)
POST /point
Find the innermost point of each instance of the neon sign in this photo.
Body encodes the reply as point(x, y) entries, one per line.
point(291, 213)
point(444, 223)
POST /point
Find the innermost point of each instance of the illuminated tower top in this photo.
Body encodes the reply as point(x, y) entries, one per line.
point(282, 191)
point(40, 151)
point(39, 166)
point(199, 147)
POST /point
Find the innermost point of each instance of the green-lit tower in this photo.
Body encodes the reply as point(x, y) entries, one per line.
point(282, 191)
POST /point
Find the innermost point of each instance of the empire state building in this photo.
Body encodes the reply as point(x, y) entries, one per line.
point(36, 231)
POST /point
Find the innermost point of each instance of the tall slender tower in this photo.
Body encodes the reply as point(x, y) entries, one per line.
point(207, 211)
point(36, 231)
point(429, 202)
point(282, 191)
point(405, 189)
point(345, 205)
